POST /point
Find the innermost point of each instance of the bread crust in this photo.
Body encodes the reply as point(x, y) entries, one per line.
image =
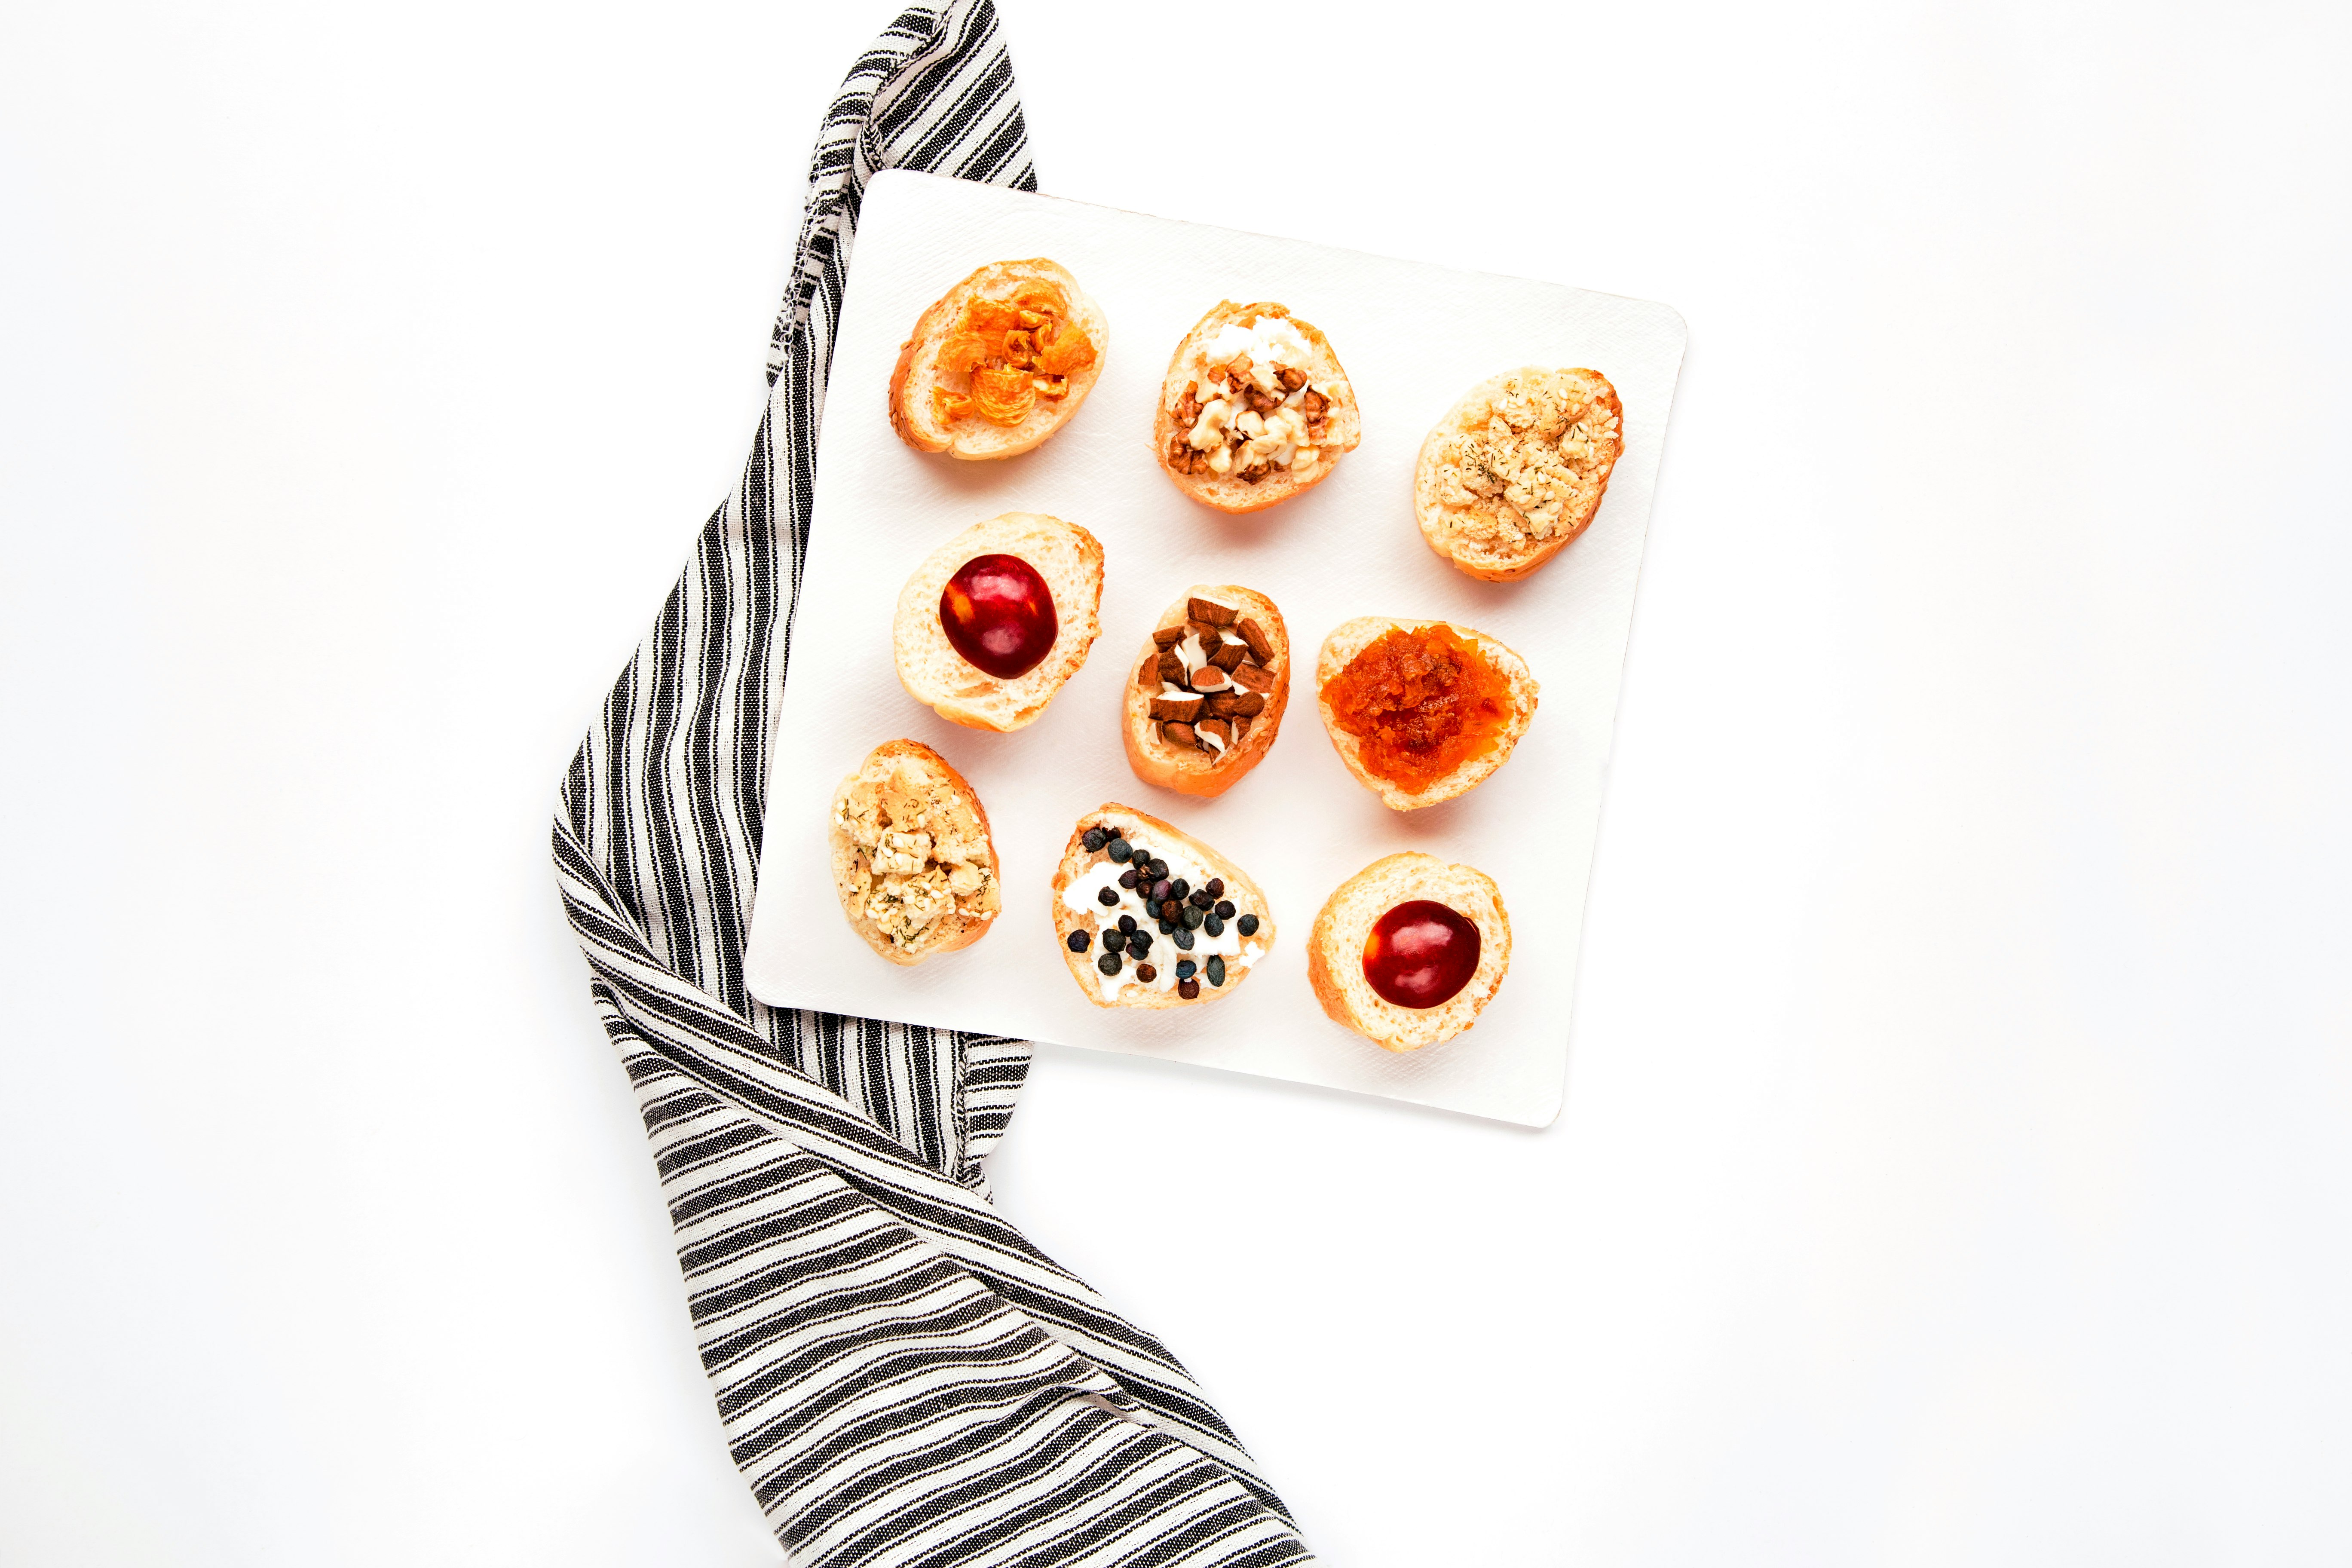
point(1351, 637)
point(1335, 949)
point(1069, 558)
point(1157, 835)
point(1507, 556)
point(1230, 494)
point(912, 378)
point(953, 795)
point(1188, 770)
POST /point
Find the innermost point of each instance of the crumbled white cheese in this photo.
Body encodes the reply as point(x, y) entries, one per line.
point(914, 863)
point(898, 854)
point(1537, 453)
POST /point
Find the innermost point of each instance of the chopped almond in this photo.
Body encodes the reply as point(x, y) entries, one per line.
point(1260, 646)
point(1178, 710)
point(1213, 613)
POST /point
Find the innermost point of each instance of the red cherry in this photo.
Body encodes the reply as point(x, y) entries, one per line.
point(999, 613)
point(1420, 953)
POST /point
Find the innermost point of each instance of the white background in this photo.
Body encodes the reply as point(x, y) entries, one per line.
point(1957, 1164)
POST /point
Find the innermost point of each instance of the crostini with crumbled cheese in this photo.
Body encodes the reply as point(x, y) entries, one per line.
point(1517, 470)
point(912, 858)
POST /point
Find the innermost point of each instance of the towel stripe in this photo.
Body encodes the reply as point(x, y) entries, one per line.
point(904, 1380)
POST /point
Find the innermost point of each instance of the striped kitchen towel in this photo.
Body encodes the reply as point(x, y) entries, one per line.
point(904, 1379)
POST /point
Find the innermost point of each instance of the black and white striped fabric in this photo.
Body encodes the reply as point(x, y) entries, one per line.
point(904, 1379)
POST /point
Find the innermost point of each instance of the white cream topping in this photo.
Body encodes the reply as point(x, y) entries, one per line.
point(1084, 897)
point(1267, 340)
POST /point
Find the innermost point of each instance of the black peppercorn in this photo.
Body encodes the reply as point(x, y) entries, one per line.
point(1225, 907)
point(1119, 850)
point(1107, 898)
point(1165, 927)
point(1128, 878)
point(1187, 989)
point(1127, 922)
point(1180, 888)
point(1162, 892)
point(1201, 899)
point(1140, 943)
point(1214, 926)
point(1108, 963)
point(1246, 925)
point(1182, 938)
point(1216, 887)
point(1186, 968)
point(1095, 839)
point(1192, 919)
point(1146, 973)
point(1080, 941)
point(1114, 940)
point(1216, 969)
point(1171, 909)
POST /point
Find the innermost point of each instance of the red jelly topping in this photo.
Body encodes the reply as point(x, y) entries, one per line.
point(999, 613)
point(1420, 953)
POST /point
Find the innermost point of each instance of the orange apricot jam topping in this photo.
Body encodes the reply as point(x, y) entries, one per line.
point(1010, 354)
point(1420, 702)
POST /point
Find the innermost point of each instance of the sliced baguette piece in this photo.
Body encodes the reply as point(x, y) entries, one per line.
point(1158, 758)
point(1514, 474)
point(1078, 907)
point(1351, 637)
point(1189, 367)
point(934, 674)
point(912, 858)
point(1335, 949)
point(912, 413)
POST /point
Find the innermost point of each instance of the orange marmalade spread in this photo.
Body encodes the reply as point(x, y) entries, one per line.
point(1011, 353)
point(1420, 703)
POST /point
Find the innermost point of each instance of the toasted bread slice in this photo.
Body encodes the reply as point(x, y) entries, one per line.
point(1066, 556)
point(1189, 391)
point(914, 414)
point(1515, 473)
point(1198, 733)
point(912, 858)
point(1336, 949)
point(1352, 638)
point(1214, 933)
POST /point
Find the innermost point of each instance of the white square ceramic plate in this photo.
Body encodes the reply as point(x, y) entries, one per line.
point(1413, 338)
